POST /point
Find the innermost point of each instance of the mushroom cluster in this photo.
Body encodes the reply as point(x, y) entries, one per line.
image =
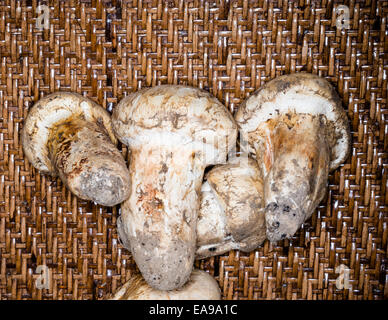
point(293, 132)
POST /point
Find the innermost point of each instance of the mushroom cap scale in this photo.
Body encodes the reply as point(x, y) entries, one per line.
point(303, 93)
point(50, 111)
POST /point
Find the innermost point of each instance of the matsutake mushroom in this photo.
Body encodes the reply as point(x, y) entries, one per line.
point(231, 214)
point(297, 129)
point(173, 133)
point(69, 135)
point(201, 286)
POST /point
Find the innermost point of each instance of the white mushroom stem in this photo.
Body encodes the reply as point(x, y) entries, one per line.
point(201, 286)
point(161, 231)
point(87, 161)
point(295, 159)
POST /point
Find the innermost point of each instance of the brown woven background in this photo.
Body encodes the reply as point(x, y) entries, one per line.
point(106, 49)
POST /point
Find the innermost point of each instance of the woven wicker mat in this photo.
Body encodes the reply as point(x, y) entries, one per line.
point(106, 49)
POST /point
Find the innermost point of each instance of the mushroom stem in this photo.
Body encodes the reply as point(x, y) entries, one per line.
point(87, 161)
point(161, 231)
point(296, 160)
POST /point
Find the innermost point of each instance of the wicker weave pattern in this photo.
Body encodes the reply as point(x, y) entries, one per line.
point(108, 49)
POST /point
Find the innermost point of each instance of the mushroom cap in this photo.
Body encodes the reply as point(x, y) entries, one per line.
point(201, 286)
point(298, 93)
point(239, 189)
point(177, 115)
point(51, 110)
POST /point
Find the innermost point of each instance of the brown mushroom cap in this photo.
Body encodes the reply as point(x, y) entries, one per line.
point(303, 93)
point(51, 110)
point(201, 286)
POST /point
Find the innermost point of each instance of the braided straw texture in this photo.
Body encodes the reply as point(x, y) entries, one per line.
point(107, 49)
